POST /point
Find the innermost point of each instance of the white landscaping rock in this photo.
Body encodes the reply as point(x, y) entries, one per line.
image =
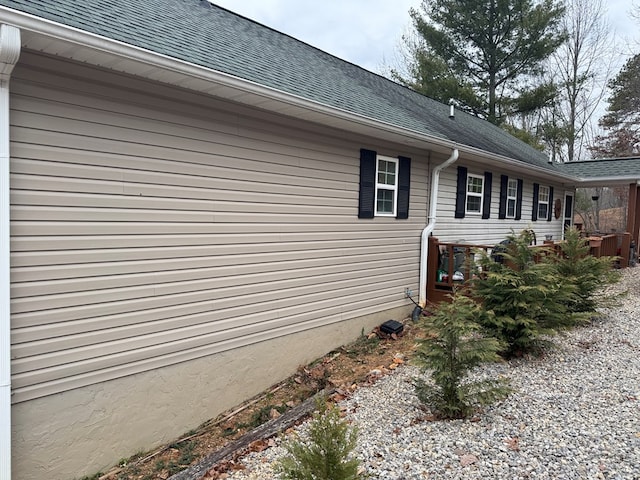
point(575, 414)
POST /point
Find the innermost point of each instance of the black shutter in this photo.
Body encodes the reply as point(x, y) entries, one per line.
point(404, 179)
point(550, 211)
point(519, 200)
point(366, 206)
point(486, 194)
point(536, 192)
point(461, 192)
point(502, 209)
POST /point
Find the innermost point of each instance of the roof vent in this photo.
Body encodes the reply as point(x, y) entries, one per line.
point(452, 108)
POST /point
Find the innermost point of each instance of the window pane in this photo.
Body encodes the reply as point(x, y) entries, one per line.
point(512, 188)
point(386, 172)
point(474, 185)
point(473, 204)
point(385, 201)
point(544, 194)
point(542, 210)
point(511, 208)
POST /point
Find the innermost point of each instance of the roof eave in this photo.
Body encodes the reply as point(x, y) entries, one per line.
point(53, 38)
point(500, 161)
point(585, 182)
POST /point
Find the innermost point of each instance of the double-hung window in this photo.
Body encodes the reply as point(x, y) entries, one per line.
point(473, 194)
point(543, 202)
point(512, 197)
point(475, 187)
point(510, 205)
point(386, 186)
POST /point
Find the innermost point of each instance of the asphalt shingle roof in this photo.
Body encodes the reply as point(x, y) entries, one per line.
point(608, 167)
point(212, 37)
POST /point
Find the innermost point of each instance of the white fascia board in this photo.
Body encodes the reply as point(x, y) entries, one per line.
point(82, 39)
point(314, 111)
point(500, 161)
point(608, 181)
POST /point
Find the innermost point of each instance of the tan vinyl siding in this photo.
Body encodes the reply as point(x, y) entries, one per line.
point(473, 228)
point(155, 228)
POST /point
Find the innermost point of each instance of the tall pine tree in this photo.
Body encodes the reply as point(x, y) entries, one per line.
point(622, 119)
point(485, 54)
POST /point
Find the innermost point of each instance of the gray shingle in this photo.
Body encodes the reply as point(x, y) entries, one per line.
point(610, 167)
point(214, 38)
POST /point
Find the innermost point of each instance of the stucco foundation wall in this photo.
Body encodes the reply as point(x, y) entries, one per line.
point(86, 430)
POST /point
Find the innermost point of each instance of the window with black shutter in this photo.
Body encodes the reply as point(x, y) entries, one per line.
point(510, 204)
point(384, 185)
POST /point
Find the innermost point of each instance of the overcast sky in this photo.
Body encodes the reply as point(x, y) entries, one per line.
point(368, 32)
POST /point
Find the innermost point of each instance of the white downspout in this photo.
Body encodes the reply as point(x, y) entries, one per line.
point(9, 54)
point(424, 243)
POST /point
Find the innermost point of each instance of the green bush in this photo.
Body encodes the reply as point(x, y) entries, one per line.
point(587, 273)
point(527, 299)
point(454, 345)
point(326, 455)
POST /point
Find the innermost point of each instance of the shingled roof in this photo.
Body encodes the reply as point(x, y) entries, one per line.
point(206, 35)
point(610, 168)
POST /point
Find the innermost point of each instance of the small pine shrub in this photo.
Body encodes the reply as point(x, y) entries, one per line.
point(527, 299)
point(454, 345)
point(587, 273)
point(326, 455)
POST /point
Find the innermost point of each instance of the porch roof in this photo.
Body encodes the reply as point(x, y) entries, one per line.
point(605, 172)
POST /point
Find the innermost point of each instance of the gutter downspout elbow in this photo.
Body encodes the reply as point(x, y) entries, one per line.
point(424, 241)
point(10, 45)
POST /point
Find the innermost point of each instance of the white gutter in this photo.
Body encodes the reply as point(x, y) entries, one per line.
point(597, 181)
point(424, 242)
point(9, 54)
point(81, 38)
point(32, 23)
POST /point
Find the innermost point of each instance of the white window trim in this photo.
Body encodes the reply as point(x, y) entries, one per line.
point(543, 202)
point(473, 194)
point(514, 198)
point(386, 186)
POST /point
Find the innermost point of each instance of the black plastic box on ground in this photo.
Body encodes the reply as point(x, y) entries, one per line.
point(391, 326)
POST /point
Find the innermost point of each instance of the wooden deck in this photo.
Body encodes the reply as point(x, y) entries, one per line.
point(449, 264)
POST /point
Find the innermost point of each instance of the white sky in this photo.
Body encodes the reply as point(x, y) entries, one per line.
point(368, 32)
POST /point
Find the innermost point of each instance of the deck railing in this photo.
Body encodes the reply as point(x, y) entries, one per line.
point(449, 264)
point(612, 245)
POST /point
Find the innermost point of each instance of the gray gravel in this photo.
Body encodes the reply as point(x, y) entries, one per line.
point(575, 414)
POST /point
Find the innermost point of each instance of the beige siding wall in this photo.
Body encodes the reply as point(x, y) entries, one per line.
point(474, 229)
point(172, 255)
point(151, 227)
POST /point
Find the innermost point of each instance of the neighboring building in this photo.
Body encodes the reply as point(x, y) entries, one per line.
point(199, 204)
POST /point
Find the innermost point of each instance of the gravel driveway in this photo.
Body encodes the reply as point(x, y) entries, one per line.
point(575, 414)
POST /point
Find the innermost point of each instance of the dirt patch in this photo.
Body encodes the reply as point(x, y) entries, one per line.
point(344, 369)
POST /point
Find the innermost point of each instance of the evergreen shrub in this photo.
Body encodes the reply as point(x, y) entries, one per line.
point(454, 344)
point(327, 454)
point(524, 293)
point(588, 274)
